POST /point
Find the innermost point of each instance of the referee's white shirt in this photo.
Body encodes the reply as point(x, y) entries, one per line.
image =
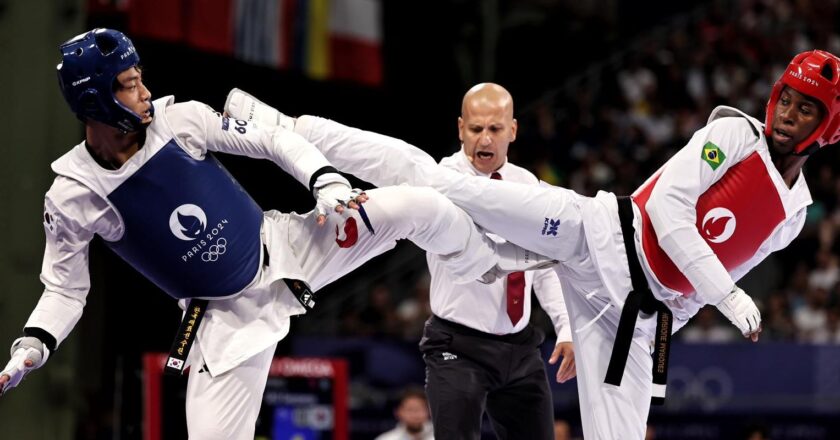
point(484, 307)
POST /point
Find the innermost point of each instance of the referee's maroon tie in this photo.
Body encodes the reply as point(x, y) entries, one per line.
point(515, 286)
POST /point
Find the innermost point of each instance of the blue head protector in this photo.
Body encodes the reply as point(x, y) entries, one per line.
point(90, 63)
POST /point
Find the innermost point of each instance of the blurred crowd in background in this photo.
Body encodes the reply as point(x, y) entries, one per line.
point(620, 117)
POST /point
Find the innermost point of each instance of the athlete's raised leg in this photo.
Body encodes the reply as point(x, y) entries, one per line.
point(543, 219)
point(421, 215)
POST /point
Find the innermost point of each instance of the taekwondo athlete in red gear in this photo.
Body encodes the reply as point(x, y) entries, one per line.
point(730, 197)
point(146, 181)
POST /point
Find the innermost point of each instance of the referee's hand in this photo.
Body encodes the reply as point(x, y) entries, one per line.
point(567, 367)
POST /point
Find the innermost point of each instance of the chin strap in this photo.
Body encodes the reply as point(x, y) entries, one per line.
point(808, 151)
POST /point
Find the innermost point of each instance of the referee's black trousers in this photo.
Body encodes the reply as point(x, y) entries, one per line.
point(469, 372)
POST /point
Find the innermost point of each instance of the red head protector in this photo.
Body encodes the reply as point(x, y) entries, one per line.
point(816, 74)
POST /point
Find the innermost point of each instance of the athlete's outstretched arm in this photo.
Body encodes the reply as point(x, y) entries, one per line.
point(64, 273)
point(202, 129)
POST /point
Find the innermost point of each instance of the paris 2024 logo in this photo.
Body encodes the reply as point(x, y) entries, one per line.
point(718, 225)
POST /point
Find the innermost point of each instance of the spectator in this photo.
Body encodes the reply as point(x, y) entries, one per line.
point(810, 319)
point(778, 323)
point(379, 317)
point(412, 415)
point(709, 329)
point(830, 333)
point(413, 311)
point(826, 273)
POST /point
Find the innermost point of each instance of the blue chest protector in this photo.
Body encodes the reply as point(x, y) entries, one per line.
point(189, 227)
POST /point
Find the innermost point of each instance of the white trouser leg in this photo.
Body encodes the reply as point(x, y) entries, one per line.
point(226, 406)
point(375, 158)
point(421, 215)
point(607, 412)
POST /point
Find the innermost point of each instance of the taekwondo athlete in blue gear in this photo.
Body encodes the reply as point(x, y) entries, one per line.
point(146, 181)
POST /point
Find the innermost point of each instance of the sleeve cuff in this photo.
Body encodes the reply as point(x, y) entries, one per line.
point(43, 335)
point(565, 334)
point(313, 181)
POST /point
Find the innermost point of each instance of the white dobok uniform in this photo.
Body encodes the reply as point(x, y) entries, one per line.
point(237, 339)
point(459, 303)
point(715, 210)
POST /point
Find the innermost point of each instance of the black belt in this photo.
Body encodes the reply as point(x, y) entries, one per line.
point(195, 312)
point(640, 298)
point(186, 336)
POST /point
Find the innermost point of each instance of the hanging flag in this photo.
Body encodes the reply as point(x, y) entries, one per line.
point(356, 41)
point(156, 19)
point(323, 39)
point(209, 25)
point(317, 62)
point(255, 36)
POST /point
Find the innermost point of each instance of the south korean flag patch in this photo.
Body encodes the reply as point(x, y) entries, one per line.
point(177, 364)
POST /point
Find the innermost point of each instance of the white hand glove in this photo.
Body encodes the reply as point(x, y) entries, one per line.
point(332, 190)
point(24, 349)
point(740, 309)
point(243, 106)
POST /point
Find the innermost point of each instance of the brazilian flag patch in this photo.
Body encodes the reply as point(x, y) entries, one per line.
point(713, 155)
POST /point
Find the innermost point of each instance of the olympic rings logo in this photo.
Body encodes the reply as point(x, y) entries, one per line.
point(212, 253)
point(709, 389)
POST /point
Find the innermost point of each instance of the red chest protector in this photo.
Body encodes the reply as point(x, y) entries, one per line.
point(735, 216)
